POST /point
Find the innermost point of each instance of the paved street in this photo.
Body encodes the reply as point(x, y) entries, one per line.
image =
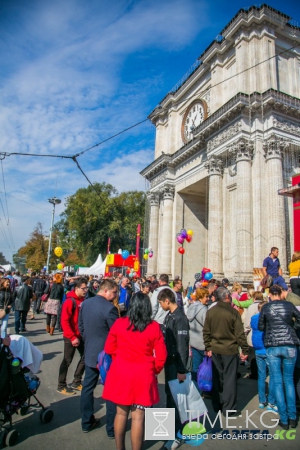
point(64, 432)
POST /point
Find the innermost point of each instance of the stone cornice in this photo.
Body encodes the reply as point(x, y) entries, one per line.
point(229, 112)
point(156, 166)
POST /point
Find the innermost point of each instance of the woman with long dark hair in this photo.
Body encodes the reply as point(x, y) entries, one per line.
point(6, 300)
point(137, 347)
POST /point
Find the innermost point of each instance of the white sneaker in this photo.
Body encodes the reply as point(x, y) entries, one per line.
point(173, 445)
point(177, 443)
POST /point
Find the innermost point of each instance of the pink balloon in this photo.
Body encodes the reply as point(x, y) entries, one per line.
point(180, 239)
point(150, 255)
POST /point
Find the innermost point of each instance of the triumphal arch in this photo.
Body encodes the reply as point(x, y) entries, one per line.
point(227, 139)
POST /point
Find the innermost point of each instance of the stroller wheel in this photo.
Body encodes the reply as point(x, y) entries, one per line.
point(47, 415)
point(2, 437)
point(23, 410)
point(11, 438)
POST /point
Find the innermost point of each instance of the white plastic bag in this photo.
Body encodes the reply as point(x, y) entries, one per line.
point(187, 397)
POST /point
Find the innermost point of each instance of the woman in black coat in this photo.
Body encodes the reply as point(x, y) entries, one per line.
point(6, 300)
point(279, 320)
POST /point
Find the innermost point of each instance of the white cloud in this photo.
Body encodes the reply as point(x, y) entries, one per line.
point(73, 74)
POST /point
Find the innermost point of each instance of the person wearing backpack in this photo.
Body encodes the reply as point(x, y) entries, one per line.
point(72, 338)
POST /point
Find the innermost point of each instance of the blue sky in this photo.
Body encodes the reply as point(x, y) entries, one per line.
point(75, 72)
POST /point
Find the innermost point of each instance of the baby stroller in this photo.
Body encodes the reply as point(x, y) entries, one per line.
point(18, 387)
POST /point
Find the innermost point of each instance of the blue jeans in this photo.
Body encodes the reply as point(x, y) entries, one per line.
point(198, 356)
point(87, 402)
point(262, 364)
point(4, 326)
point(282, 363)
point(280, 281)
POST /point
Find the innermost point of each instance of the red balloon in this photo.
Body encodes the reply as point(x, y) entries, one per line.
point(189, 238)
point(181, 250)
point(205, 270)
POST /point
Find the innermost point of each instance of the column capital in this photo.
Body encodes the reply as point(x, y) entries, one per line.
point(242, 150)
point(274, 147)
point(154, 198)
point(168, 192)
point(214, 165)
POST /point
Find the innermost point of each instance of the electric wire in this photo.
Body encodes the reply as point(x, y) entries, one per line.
point(3, 154)
point(3, 232)
point(74, 157)
point(8, 222)
point(84, 174)
point(31, 204)
point(111, 137)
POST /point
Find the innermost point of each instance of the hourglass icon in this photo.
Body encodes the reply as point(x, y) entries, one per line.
point(160, 417)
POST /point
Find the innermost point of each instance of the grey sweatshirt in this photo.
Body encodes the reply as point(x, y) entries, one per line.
point(196, 314)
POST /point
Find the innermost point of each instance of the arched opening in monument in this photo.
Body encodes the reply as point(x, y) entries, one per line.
point(192, 213)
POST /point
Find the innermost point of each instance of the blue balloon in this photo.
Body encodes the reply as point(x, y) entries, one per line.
point(208, 276)
point(125, 254)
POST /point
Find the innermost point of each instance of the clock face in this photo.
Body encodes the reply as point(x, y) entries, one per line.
point(193, 117)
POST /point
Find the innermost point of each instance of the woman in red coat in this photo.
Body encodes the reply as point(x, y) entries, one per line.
point(138, 350)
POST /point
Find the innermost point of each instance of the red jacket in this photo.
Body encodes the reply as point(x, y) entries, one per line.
point(137, 359)
point(69, 316)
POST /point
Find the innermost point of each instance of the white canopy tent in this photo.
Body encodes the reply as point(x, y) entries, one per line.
point(98, 268)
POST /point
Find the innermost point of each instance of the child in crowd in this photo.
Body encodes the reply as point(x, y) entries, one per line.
point(262, 364)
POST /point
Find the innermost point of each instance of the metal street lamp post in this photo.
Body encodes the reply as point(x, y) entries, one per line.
point(54, 201)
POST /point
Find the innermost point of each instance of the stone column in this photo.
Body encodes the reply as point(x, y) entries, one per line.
point(275, 213)
point(153, 232)
point(214, 167)
point(243, 152)
point(167, 228)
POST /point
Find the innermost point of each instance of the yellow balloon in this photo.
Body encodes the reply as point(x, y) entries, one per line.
point(58, 251)
point(60, 266)
point(145, 256)
point(190, 232)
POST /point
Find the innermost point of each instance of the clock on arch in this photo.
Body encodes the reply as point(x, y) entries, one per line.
point(195, 114)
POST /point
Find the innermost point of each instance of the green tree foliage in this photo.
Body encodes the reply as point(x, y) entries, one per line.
point(35, 249)
point(90, 218)
point(3, 260)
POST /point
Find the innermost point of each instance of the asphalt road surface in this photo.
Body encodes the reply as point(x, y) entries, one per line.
point(64, 431)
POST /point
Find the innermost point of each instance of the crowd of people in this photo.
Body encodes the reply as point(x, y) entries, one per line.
point(150, 324)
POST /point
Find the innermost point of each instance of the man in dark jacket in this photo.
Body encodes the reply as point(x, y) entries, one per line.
point(223, 334)
point(176, 333)
point(39, 285)
point(22, 300)
point(96, 317)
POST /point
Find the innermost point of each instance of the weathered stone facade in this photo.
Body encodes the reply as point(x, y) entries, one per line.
point(223, 182)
